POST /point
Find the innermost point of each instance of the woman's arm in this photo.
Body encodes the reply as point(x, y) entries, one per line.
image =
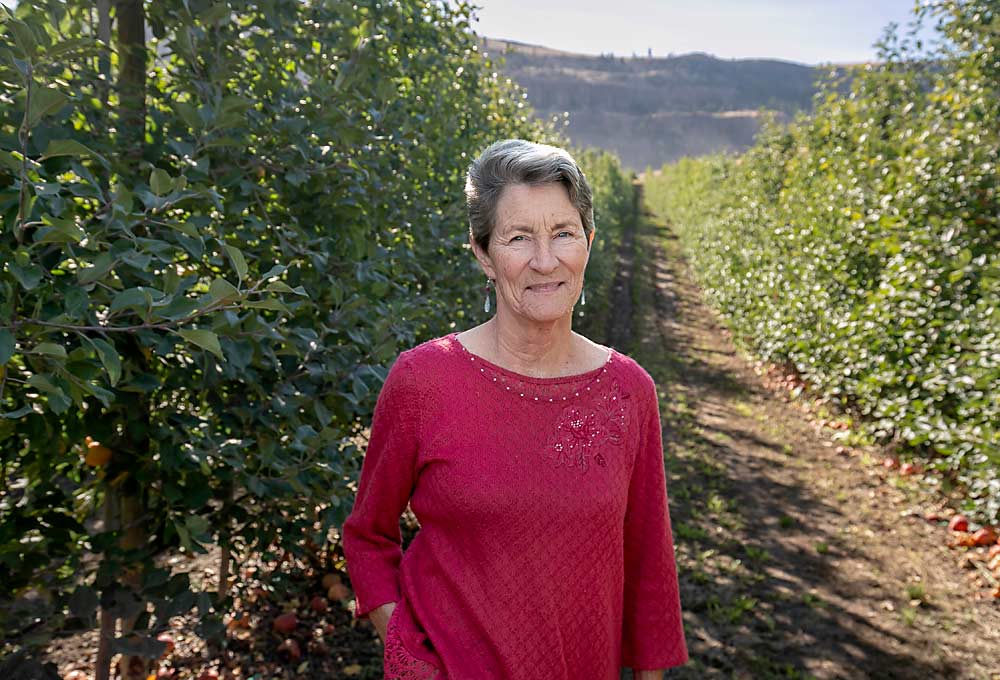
point(371, 537)
point(380, 619)
point(652, 629)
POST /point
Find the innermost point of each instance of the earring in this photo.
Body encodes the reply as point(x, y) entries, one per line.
point(583, 296)
point(486, 305)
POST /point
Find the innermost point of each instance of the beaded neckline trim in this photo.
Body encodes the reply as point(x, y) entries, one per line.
point(543, 390)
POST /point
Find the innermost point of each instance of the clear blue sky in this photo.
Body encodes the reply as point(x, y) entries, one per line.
point(806, 31)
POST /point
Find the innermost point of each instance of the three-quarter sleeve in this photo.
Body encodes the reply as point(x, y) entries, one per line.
point(371, 537)
point(652, 628)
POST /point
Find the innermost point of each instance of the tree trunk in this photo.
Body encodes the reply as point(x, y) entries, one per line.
point(102, 666)
point(131, 29)
point(131, 80)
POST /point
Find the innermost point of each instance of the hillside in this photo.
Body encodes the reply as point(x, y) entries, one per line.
point(653, 110)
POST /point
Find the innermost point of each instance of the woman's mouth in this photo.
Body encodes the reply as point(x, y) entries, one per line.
point(545, 287)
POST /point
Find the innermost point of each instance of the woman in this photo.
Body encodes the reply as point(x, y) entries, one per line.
point(532, 458)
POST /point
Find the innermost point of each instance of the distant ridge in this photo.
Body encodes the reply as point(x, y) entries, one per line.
point(653, 110)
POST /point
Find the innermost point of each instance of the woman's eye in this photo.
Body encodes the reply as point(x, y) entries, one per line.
point(565, 233)
point(516, 238)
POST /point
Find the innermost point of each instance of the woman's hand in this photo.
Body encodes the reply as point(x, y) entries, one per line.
point(380, 618)
point(648, 675)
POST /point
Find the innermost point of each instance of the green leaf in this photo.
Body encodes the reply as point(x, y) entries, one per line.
point(23, 38)
point(109, 357)
point(268, 303)
point(160, 182)
point(239, 262)
point(205, 339)
point(50, 349)
point(140, 299)
point(44, 101)
point(102, 265)
point(220, 289)
point(276, 270)
point(279, 287)
point(28, 276)
point(14, 415)
point(10, 161)
point(214, 14)
point(7, 346)
point(70, 147)
point(59, 230)
point(58, 401)
point(124, 199)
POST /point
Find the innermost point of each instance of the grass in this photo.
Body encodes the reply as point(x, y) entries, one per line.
point(814, 601)
point(916, 591)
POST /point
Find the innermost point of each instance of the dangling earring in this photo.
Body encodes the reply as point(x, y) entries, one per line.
point(583, 296)
point(486, 305)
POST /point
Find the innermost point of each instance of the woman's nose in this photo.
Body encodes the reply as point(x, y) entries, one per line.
point(543, 259)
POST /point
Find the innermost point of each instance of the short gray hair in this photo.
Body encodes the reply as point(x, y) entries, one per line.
point(516, 161)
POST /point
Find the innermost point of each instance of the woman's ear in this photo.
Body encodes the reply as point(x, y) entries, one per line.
point(484, 259)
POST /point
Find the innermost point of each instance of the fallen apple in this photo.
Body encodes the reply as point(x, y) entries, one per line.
point(285, 623)
point(889, 463)
point(907, 469)
point(985, 536)
point(338, 591)
point(238, 622)
point(318, 604)
point(959, 523)
point(962, 539)
point(329, 580)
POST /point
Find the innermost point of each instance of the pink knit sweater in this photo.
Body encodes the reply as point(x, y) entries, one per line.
point(544, 548)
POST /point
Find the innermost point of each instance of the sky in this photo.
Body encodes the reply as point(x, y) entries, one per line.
point(805, 31)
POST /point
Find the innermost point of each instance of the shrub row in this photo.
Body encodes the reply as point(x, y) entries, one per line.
point(215, 241)
point(860, 244)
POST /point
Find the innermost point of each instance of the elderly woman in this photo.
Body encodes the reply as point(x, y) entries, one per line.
point(532, 458)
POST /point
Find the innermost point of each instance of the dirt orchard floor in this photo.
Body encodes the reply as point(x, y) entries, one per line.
point(796, 560)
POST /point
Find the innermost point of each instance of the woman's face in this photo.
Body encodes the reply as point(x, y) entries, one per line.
point(538, 252)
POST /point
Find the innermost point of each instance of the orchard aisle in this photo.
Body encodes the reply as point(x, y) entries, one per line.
point(798, 557)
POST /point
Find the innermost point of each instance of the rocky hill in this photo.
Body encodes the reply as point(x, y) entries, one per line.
point(654, 110)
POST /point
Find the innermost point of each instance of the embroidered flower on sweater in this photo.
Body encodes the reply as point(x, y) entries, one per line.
point(580, 433)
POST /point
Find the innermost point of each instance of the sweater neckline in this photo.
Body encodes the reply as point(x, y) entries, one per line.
point(556, 380)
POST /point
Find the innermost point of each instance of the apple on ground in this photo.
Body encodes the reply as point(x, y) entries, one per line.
point(338, 591)
point(285, 623)
point(959, 523)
